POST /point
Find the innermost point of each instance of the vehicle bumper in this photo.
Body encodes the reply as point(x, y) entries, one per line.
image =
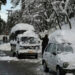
point(29, 54)
point(69, 70)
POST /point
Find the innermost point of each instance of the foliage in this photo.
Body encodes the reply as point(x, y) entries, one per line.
point(45, 14)
point(3, 2)
point(2, 26)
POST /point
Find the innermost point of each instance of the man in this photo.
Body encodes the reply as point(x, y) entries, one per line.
point(44, 43)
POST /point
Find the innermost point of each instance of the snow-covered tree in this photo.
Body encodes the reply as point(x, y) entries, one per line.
point(2, 26)
point(47, 14)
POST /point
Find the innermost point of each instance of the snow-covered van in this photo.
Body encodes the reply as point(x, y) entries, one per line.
point(16, 30)
point(59, 54)
point(28, 44)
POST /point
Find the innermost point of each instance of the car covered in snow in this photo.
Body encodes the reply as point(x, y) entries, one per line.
point(59, 55)
point(28, 44)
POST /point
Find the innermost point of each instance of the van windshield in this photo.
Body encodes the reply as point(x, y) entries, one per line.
point(30, 40)
point(64, 48)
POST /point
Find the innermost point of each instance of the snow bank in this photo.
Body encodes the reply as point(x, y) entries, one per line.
point(5, 47)
point(22, 26)
point(69, 74)
point(8, 58)
point(39, 60)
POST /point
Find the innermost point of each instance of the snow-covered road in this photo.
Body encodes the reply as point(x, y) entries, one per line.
point(5, 56)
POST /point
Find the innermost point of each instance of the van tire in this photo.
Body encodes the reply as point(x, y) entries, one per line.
point(36, 56)
point(14, 54)
point(60, 71)
point(18, 56)
point(46, 69)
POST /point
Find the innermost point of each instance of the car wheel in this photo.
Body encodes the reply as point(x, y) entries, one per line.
point(46, 69)
point(60, 72)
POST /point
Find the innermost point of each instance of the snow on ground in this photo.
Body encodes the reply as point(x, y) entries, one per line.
point(8, 58)
point(69, 74)
point(40, 71)
point(39, 60)
point(5, 47)
point(3, 57)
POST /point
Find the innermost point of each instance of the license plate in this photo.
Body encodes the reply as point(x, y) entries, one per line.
point(30, 52)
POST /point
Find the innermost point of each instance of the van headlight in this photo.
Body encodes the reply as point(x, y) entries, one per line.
point(37, 47)
point(65, 64)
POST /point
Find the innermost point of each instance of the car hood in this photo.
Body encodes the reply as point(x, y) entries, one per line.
point(67, 57)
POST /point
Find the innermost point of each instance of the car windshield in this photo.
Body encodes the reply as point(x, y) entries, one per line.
point(64, 48)
point(30, 40)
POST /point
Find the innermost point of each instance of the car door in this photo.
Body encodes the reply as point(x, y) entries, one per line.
point(48, 55)
point(53, 59)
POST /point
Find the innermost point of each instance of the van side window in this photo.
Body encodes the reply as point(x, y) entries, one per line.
point(49, 47)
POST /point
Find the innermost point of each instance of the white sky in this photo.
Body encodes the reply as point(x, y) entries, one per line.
point(4, 8)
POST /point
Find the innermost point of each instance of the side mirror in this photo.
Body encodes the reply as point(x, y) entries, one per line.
point(54, 53)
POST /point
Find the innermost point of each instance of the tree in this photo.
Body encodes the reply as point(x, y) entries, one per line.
point(2, 24)
point(2, 2)
point(46, 14)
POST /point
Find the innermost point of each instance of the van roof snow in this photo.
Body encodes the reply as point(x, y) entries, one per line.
point(22, 26)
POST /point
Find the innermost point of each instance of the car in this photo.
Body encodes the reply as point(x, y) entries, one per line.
point(59, 56)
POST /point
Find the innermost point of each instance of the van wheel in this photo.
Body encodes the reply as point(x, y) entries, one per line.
point(60, 72)
point(14, 54)
point(36, 56)
point(18, 56)
point(46, 69)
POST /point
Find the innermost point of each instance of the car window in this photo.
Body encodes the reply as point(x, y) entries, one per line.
point(53, 48)
point(49, 47)
point(64, 48)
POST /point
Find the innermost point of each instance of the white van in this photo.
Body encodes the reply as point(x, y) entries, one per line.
point(59, 54)
point(15, 31)
point(28, 44)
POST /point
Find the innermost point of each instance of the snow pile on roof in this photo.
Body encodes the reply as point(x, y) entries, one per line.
point(28, 34)
point(5, 47)
point(61, 36)
point(64, 35)
point(22, 26)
